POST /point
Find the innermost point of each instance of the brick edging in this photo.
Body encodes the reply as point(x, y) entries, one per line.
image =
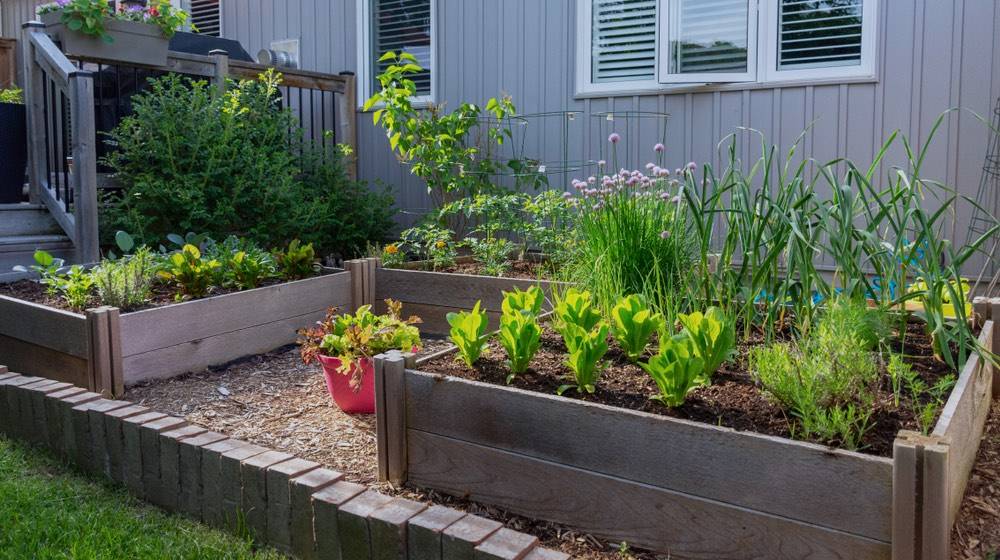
point(289, 503)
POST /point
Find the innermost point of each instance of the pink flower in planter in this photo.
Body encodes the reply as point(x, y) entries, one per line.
point(614, 138)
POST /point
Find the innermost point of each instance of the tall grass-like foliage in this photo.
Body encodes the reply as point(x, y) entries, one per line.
point(634, 237)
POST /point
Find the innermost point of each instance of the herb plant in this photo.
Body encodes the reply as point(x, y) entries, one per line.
point(492, 253)
point(192, 274)
point(469, 333)
point(712, 336)
point(520, 337)
point(676, 369)
point(296, 261)
point(634, 322)
point(76, 286)
point(125, 282)
point(586, 348)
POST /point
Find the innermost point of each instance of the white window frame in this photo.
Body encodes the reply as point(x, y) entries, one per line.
point(765, 58)
point(366, 60)
point(663, 54)
point(186, 6)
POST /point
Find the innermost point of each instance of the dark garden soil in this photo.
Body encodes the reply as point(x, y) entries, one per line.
point(522, 269)
point(275, 401)
point(733, 400)
point(976, 535)
point(162, 294)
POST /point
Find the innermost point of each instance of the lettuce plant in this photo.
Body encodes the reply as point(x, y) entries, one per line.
point(468, 332)
point(247, 270)
point(586, 348)
point(190, 272)
point(575, 307)
point(713, 337)
point(520, 337)
point(529, 300)
point(634, 323)
point(676, 369)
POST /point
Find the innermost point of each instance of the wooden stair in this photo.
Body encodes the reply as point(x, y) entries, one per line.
point(23, 229)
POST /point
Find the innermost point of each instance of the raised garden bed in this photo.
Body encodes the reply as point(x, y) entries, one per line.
point(104, 349)
point(670, 484)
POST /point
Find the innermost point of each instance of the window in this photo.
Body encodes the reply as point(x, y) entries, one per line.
point(206, 15)
point(395, 25)
point(638, 45)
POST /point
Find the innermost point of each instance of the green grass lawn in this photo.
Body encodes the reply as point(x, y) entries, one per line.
point(47, 511)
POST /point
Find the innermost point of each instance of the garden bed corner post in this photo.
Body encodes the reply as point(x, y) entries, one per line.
point(362, 280)
point(994, 315)
point(105, 372)
point(390, 412)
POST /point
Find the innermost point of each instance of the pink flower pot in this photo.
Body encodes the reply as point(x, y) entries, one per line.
point(339, 385)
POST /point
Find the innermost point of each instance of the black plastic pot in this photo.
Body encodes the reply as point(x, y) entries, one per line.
point(13, 151)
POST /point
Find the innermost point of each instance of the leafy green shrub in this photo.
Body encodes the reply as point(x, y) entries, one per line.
point(586, 348)
point(296, 261)
point(468, 333)
point(676, 369)
point(713, 337)
point(247, 270)
point(633, 324)
point(520, 337)
point(431, 242)
point(190, 272)
point(192, 160)
point(493, 254)
point(76, 286)
point(125, 282)
point(12, 95)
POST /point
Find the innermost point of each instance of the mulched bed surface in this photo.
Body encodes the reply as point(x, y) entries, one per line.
point(522, 269)
point(733, 400)
point(162, 294)
point(976, 535)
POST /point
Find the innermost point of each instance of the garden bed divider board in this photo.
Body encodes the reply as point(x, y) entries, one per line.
point(104, 350)
point(672, 485)
point(432, 295)
point(60, 345)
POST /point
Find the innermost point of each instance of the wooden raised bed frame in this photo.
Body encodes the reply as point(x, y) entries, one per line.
point(691, 489)
point(104, 350)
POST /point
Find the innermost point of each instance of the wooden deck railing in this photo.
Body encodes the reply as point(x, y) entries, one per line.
point(61, 99)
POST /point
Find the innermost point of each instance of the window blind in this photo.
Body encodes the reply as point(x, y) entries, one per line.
point(403, 25)
point(817, 33)
point(206, 17)
point(709, 36)
point(624, 40)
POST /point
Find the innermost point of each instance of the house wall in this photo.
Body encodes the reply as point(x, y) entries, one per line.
point(13, 13)
point(934, 55)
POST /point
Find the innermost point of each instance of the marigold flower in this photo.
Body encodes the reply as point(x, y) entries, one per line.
point(391, 249)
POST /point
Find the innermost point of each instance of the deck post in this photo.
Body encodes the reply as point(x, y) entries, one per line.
point(84, 175)
point(221, 58)
point(34, 86)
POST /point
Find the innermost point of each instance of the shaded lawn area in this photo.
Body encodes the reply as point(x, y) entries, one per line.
point(49, 512)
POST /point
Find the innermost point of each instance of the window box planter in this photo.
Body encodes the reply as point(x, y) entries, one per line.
point(14, 147)
point(689, 489)
point(133, 42)
point(105, 350)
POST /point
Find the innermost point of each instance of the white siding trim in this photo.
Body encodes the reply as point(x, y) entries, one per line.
point(365, 57)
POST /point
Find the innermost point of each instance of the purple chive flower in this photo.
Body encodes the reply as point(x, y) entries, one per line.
point(676, 199)
point(591, 180)
point(650, 166)
point(692, 166)
point(655, 170)
point(664, 234)
point(614, 138)
point(658, 148)
point(567, 195)
point(663, 172)
point(664, 195)
point(678, 171)
point(601, 163)
point(633, 181)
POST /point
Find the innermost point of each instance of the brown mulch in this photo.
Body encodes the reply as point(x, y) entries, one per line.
point(522, 269)
point(275, 401)
point(733, 400)
point(976, 535)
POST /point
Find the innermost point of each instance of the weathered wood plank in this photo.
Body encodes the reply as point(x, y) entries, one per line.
point(381, 441)
point(191, 321)
point(214, 350)
point(32, 359)
point(84, 176)
point(831, 488)
point(642, 515)
point(394, 371)
point(52, 328)
point(451, 290)
point(936, 524)
point(291, 77)
point(963, 420)
point(904, 499)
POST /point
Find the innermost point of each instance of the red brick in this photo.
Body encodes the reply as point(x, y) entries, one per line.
point(546, 554)
point(506, 544)
point(388, 526)
point(301, 509)
point(424, 532)
point(458, 542)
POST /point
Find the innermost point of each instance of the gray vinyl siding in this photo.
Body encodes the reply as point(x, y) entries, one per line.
point(933, 55)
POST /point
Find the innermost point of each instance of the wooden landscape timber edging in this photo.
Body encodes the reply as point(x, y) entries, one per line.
point(690, 489)
point(432, 295)
point(291, 504)
point(104, 350)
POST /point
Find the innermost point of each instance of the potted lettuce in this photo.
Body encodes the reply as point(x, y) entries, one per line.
point(13, 145)
point(345, 345)
point(137, 32)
